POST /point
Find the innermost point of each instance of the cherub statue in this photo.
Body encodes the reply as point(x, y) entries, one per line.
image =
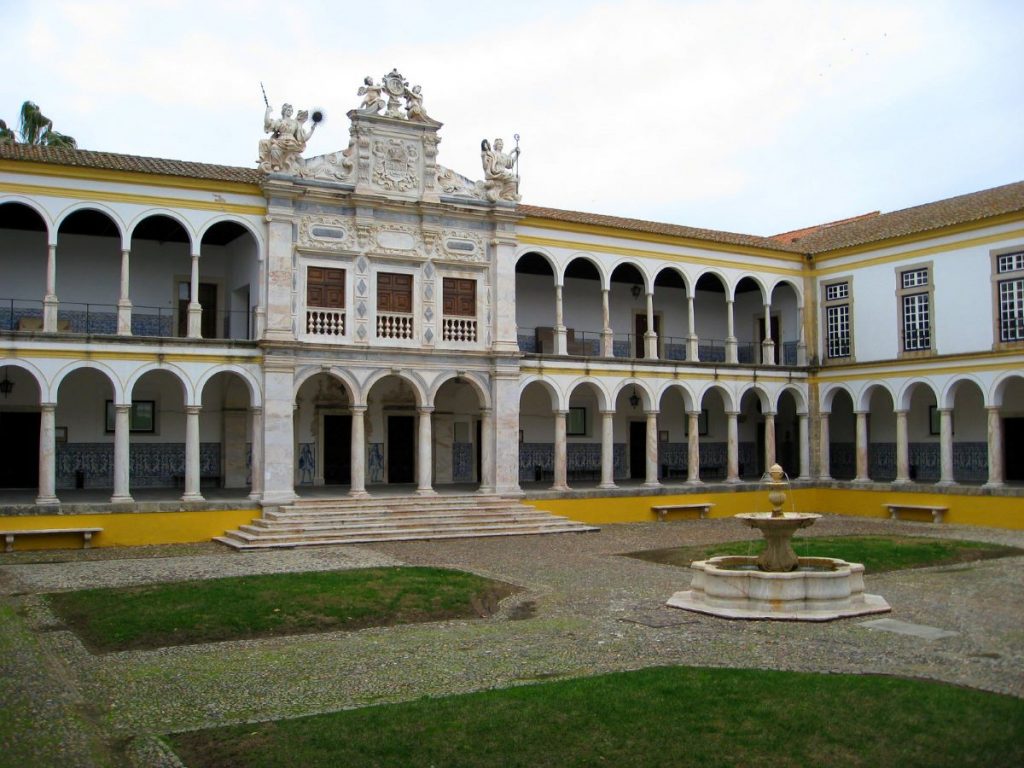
point(500, 182)
point(414, 104)
point(372, 100)
point(281, 151)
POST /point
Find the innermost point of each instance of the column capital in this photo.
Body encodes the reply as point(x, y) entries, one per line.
point(255, 410)
point(358, 408)
point(651, 411)
point(769, 414)
point(608, 411)
point(944, 410)
point(193, 409)
point(48, 406)
point(732, 414)
point(993, 408)
point(424, 410)
point(564, 413)
point(901, 411)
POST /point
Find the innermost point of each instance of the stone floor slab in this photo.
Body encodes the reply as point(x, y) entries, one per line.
point(906, 628)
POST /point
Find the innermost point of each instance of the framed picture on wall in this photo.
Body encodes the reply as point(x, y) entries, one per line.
point(576, 422)
point(141, 418)
point(60, 434)
point(662, 435)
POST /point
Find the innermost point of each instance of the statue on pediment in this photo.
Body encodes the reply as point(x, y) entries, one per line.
point(414, 104)
point(282, 151)
point(371, 92)
point(501, 182)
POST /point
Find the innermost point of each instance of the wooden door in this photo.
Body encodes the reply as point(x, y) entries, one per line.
point(337, 449)
point(401, 449)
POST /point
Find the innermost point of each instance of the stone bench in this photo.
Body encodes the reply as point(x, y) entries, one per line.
point(86, 533)
point(935, 511)
point(702, 510)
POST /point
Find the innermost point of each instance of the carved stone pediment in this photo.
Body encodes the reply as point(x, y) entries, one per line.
point(337, 166)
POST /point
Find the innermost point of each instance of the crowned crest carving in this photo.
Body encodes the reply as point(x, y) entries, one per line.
point(395, 164)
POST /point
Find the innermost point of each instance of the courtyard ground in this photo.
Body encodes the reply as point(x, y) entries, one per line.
point(584, 610)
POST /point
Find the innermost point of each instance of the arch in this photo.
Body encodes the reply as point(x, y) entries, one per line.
point(470, 378)
point(863, 400)
point(352, 388)
point(554, 394)
point(602, 274)
point(120, 393)
point(98, 208)
point(188, 390)
point(710, 272)
point(545, 255)
point(798, 397)
point(625, 261)
point(689, 398)
point(828, 394)
point(902, 401)
point(225, 217)
point(679, 271)
point(729, 402)
point(765, 294)
point(167, 213)
point(43, 214)
point(255, 395)
point(604, 401)
point(787, 282)
point(647, 399)
point(996, 392)
point(766, 401)
point(30, 368)
point(950, 390)
point(413, 380)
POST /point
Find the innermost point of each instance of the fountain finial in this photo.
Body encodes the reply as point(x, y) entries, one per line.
point(775, 495)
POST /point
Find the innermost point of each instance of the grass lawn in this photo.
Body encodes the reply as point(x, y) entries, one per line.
point(876, 553)
point(675, 716)
point(278, 604)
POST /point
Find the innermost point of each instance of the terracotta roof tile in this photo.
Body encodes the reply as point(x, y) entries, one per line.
point(114, 162)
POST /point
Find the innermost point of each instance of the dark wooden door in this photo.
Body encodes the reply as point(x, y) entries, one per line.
point(19, 450)
point(1013, 456)
point(638, 450)
point(394, 292)
point(208, 301)
point(401, 449)
point(337, 449)
point(641, 329)
point(775, 336)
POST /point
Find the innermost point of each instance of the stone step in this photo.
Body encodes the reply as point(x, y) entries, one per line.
point(468, 499)
point(231, 539)
point(399, 517)
point(259, 526)
point(292, 513)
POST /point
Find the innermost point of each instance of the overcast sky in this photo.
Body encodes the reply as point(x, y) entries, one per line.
point(754, 117)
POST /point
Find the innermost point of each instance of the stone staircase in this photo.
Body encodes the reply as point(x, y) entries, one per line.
point(316, 522)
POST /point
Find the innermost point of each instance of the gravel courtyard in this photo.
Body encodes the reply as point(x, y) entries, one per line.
point(584, 610)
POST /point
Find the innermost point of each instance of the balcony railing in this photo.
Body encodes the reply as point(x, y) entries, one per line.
point(325, 322)
point(395, 326)
point(462, 329)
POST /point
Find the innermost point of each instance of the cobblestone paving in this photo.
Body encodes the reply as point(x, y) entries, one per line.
point(584, 610)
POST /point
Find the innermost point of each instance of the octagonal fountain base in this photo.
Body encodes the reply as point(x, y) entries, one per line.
point(820, 589)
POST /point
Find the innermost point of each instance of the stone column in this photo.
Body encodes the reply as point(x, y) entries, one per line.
point(693, 448)
point(607, 449)
point(651, 468)
point(731, 353)
point(902, 449)
point(124, 304)
point(824, 450)
point(560, 343)
point(279, 311)
point(502, 255)
point(357, 486)
point(278, 431)
point(486, 451)
point(995, 448)
point(768, 345)
point(47, 456)
point(425, 453)
point(122, 453)
point(692, 341)
point(505, 417)
point(801, 344)
point(192, 454)
point(256, 462)
point(946, 446)
point(50, 302)
point(862, 448)
point(559, 483)
point(804, 433)
point(769, 440)
point(732, 472)
point(195, 309)
point(650, 337)
point(607, 334)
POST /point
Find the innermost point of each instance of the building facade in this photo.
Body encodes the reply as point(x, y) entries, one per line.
point(371, 318)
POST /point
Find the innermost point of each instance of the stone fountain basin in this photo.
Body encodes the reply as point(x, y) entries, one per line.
point(821, 589)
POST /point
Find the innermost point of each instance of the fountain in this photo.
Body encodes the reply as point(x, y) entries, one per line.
point(778, 584)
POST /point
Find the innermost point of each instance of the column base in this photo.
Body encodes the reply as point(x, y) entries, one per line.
point(651, 485)
point(994, 484)
point(485, 490)
point(358, 494)
point(607, 485)
point(255, 496)
point(47, 501)
point(124, 318)
point(192, 497)
point(125, 499)
point(695, 481)
point(733, 480)
point(562, 487)
point(862, 480)
point(947, 483)
point(426, 492)
point(901, 481)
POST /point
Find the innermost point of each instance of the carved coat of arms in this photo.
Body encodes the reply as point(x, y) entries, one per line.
point(395, 164)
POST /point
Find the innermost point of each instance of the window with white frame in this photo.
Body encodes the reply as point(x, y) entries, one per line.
point(1010, 296)
point(838, 309)
point(915, 297)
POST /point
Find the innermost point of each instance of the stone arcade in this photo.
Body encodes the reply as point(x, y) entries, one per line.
point(366, 320)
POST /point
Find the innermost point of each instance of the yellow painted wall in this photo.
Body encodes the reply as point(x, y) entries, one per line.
point(128, 530)
point(994, 511)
